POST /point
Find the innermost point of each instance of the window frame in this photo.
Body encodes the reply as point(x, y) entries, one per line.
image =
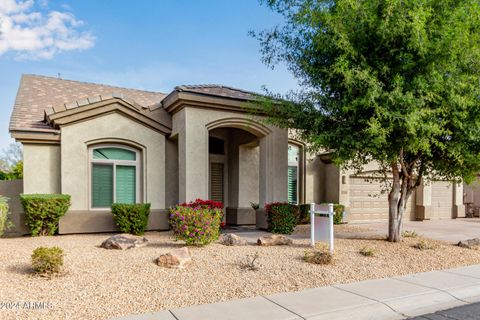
point(114, 163)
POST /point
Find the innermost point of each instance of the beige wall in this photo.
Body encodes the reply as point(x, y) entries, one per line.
point(249, 158)
point(111, 128)
point(41, 168)
point(192, 126)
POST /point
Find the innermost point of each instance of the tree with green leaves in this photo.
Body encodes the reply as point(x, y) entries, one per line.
point(11, 163)
point(395, 82)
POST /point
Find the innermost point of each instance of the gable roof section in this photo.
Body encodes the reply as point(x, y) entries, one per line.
point(99, 105)
point(207, 95)
point(37, 94)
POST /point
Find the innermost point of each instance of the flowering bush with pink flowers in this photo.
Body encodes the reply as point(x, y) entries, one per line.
point(197, 222)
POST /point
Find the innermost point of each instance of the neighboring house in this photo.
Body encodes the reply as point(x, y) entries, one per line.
point(103, 144)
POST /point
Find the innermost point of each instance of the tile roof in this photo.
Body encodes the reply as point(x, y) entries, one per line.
point(36, 94)
point(218, 91)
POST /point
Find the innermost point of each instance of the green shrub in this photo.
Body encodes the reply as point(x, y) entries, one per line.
point(338, 213)
point(304, 213)
point(197, 223)
point(131, 218)
point(282, 217)
point(43, 212)
point(318, 257)
point(47, 260)
point(5, 223)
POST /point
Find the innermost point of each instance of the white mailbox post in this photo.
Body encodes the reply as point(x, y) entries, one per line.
point(321, 224)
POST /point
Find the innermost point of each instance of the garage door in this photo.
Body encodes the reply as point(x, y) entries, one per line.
point(442, 200)
point(368, 203)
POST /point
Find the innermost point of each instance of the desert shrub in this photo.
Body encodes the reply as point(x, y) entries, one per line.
point(5, 223)
point(318, 257)
point(367, 252)
point(43, 212)
point(250, 262)
point(409, 234)
point(47, 260)
point(423, 245)
point(282, 217)
point(197, 222)
point(131, 218)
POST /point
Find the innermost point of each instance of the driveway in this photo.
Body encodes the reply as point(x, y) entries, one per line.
point(452, 231)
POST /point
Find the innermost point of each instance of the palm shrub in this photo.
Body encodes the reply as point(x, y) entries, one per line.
point(282, 217)
point(197, 222)
point(43, 212)
point(131, 218)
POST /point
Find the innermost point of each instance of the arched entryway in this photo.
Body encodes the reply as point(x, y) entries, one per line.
point(234, 172)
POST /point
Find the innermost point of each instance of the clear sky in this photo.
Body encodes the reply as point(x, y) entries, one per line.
point(144, 44)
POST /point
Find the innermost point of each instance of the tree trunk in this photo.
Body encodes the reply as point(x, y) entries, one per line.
point(402, 188)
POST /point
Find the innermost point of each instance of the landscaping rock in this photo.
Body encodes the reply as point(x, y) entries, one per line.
point(274, 240)
point(177, 259)
point(230, 239)
point(124, 241)
point(470, 243)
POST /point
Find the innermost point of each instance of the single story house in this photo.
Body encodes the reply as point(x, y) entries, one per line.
point(103, 144)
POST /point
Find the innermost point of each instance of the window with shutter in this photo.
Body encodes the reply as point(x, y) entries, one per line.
point(292, 184)
point(114, 176)
point(125, 185)
point(102, 185)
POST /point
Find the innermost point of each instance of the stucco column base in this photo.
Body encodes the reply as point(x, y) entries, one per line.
point(423, 212)
point(261, 219)
point(241, 216)
point(459, 211)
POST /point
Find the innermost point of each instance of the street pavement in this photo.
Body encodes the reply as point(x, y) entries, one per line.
point(468, 312)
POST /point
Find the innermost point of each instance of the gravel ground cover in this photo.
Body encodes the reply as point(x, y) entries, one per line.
point(101, 284)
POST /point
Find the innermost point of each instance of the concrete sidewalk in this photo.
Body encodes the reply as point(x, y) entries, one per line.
point(392, 298)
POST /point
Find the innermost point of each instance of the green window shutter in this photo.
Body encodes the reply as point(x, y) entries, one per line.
point(113, 154)
point(102, 185)
point(292, 184)
point(126, 184)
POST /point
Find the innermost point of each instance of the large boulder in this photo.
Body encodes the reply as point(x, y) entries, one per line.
point(470, 243)
point(231, 239)
point(124, 241)
point(177, 259)
point(274, 240)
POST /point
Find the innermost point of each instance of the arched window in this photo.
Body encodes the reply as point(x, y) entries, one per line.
point(115, 176)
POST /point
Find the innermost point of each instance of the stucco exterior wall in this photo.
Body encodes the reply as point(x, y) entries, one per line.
point(249, 158)
point(191, 126)
point(41, 168)
point(111, 128)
